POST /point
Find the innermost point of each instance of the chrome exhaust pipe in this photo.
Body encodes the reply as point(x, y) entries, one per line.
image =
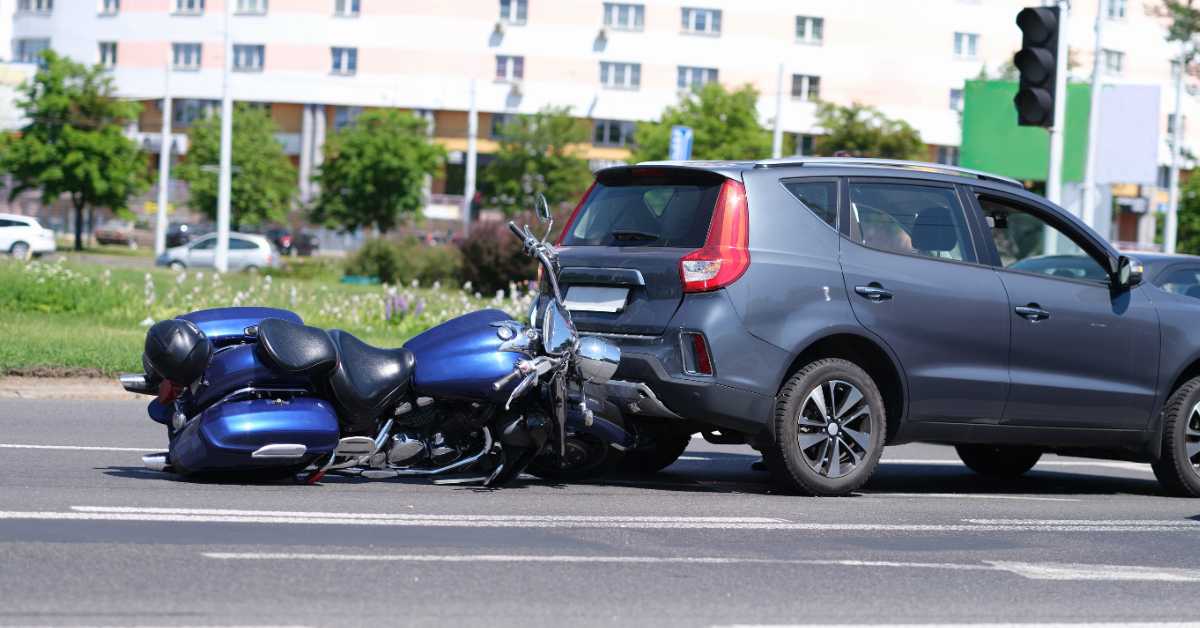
point(382, 474)
point(136, 383)
point(155, 462)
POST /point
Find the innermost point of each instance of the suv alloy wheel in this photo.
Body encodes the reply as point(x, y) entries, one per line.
point(1178, 469)
point(829, 429)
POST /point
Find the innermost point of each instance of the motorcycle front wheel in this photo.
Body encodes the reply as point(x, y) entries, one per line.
point(587, 457)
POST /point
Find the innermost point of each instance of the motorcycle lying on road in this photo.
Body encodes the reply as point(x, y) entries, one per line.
point(254, 392)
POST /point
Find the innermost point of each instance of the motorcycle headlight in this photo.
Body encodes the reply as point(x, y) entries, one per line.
point(598, 359)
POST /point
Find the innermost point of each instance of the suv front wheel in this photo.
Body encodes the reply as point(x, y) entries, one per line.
point(829, 429)
point(1178, 468)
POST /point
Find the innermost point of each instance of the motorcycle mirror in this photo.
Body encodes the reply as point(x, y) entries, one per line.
point(542, 207)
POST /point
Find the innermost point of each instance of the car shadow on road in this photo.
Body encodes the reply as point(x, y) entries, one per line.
point(731, 473)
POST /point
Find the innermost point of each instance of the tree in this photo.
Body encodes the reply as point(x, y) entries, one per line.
point(538, 153)
point(863, 131)
point(74, 143)
point(1188, 238)
point(724, 123)
point(264, 179)
point(374, 171)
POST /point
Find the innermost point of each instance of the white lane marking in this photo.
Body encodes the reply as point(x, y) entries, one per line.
point(1109, 464)
point(1032, 571)
point(74, 447)
point(1184, 523)
point(1123, 624)
point(1054, 571)
point(183, 515)
point(974, 496)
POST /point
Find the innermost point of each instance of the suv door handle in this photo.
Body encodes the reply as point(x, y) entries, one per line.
point(874, 292)
point(1032, 312)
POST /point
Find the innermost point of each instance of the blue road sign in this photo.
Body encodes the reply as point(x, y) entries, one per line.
point(681, 143)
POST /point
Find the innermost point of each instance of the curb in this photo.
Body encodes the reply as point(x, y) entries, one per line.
point(65, 388)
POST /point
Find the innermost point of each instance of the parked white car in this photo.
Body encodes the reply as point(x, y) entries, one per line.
point(246, 252)
point(23, 236)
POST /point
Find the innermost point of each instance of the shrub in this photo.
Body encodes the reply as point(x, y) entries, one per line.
point(492, 258)
point(406, 262)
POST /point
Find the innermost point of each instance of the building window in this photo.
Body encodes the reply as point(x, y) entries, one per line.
point(189, 7)
point(185, 56)
point(966, 45)
point(690, 77)
point(624, 17)
point(947, 155)
point(108, 54)
point(248, 57)
point(707, 21)
point(252, 7)
point(810, 30)
point(514, 11)
point(621, 75)
point(806, 87)
point(345, 60)
point(35, 6)
point(956, 99)
point(29, 50)
point(1115, 9)
point(613, 133)
point(1114, 61)
point(188, 110)
point(509, 68)
point(110, 7)
point(346, 8)
point(345, 116)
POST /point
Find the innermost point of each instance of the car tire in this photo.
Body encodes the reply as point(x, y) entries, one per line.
point(19, 250)
point(998, 460)
point(176, 265)
point(1176, 468)
point(664, 449)
point(828, 431)
point(251, 269)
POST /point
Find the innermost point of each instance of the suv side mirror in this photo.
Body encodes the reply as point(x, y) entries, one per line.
point(1129, 273)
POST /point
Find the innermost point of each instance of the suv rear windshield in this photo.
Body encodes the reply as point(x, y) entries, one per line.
point(660, 208)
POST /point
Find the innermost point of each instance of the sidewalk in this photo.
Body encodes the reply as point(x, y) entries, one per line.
point(90, 388)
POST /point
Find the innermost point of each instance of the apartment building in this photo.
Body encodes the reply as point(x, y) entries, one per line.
point(317, 63)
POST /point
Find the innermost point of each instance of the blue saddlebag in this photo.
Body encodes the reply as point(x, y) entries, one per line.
point(225, 436)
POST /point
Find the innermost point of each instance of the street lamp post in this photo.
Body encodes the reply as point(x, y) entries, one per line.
point(1170, 233)
point(225, 178)
point(164, 164)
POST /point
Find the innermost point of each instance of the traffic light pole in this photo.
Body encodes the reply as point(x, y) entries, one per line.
point(1054, 175)
point(1089, 174)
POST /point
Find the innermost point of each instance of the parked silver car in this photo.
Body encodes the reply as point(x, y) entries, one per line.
point(246, 252)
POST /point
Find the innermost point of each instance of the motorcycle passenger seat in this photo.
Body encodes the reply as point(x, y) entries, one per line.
point(295, 348)
point(368, 379)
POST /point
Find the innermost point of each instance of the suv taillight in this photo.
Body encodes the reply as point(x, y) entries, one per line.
point(571, 220)
point(725, 255)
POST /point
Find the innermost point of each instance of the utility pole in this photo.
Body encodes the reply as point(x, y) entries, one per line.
point(472, 157)
point(225, 177)
point(1170, 233)
point(164, 164)
point(1054, 175)
point(777, 141)
point(1089, 176)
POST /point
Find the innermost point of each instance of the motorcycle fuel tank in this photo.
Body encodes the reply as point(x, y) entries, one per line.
point(461, 358)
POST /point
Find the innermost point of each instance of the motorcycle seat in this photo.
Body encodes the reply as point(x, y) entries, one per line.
point(367, 379)
point(295, 348)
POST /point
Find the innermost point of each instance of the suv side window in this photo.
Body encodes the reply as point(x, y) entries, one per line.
point(924, 220)
point(1027, 243)
point(820, 197)
point(1184, 281)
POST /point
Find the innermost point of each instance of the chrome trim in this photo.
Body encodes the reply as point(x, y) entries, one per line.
point(155, 462)
point(597, 359)
point(621, 336)
point(355, 446)
point(252, 389)
point(136, 383)
point(280, 450)
point(569, 270)
point(638, 398)
point(886, 163)
point(380, 474)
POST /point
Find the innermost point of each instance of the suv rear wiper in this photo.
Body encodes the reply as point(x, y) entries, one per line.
point(629, 235)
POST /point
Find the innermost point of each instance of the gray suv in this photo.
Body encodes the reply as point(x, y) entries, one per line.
point(820, 308)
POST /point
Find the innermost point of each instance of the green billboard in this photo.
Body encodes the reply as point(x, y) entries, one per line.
point(992, 141)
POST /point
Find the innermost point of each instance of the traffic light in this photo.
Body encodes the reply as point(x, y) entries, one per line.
point(1037, 61)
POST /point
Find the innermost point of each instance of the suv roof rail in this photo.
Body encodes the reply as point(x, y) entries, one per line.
point(886, 163)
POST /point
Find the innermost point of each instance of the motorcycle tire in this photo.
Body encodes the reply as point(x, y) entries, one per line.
point(588, 458)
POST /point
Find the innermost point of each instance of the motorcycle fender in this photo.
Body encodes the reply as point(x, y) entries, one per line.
point(601, 427)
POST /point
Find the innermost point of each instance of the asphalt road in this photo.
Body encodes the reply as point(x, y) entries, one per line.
point(89, 538)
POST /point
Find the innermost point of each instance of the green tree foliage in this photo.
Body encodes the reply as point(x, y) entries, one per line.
point(863, 131)
point(538, 153)
point(1188, 235)
point(264, 179)
point(1183, 22)
point(374, 171)
point(725, 126)
point(74, 143)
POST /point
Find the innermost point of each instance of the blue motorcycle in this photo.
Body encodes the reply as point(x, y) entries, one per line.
point(253, 392)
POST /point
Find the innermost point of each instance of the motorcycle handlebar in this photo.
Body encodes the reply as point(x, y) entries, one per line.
point(516, 230)
point(506, 380)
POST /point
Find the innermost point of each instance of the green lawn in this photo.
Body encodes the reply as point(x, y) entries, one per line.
point(68, 318)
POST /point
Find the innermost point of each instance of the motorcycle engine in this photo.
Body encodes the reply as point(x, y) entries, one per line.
point(434, 434)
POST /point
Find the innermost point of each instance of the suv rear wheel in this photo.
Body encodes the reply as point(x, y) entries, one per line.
point(829, 429)
point(998, 461)
point(1178, 469)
